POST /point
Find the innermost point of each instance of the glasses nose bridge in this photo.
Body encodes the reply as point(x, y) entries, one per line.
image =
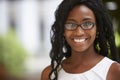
point(78, 26)
point(79, 29)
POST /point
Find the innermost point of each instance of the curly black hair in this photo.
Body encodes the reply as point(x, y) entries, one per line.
point(104, 44)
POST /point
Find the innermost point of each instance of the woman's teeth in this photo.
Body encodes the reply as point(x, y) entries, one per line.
point(79, 40)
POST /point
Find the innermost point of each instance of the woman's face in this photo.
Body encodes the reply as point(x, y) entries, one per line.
point(82, 38)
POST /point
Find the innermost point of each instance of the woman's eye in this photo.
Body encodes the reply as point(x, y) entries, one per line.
point(87, 24)
point(73, 25)
point(70, 26)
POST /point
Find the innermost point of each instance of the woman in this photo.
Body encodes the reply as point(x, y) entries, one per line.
point(82, 40)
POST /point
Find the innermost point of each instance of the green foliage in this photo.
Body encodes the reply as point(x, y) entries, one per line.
point(117, 39)
point(12, 54)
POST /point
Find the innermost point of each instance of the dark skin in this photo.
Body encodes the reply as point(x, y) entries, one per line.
point(81, 43)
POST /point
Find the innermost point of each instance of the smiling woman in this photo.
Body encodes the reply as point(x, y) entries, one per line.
point(81, 38)
point(83, 43)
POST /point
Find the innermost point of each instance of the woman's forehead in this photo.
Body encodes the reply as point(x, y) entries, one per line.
point(81, 12)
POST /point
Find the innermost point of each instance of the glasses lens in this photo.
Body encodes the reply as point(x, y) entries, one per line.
point(70, 26)
point(87, 25)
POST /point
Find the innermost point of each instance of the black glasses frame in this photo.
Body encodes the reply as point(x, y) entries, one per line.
point(84, 26)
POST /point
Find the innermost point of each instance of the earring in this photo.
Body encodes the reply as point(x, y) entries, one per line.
point(64, 49)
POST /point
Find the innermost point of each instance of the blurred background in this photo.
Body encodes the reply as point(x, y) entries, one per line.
point(25, 36)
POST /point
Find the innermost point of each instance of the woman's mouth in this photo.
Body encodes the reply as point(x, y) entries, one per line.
point(79, 40)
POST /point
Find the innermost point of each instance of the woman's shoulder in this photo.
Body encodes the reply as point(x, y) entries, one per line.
point(114, 71)
point(45, 73)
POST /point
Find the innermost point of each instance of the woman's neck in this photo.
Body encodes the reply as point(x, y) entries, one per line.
point(83, 57)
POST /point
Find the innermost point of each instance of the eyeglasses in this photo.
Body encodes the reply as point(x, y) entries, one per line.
point(84, 26)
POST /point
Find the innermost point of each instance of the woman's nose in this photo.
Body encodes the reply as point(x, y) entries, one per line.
point(79, 31)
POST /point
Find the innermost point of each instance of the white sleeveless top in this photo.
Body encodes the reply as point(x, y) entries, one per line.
point(98, 72)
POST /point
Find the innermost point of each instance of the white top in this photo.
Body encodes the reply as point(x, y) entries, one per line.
point(98, 72)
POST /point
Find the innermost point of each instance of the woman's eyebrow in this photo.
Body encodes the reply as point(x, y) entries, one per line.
point(86, 19)
point(71, 20)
